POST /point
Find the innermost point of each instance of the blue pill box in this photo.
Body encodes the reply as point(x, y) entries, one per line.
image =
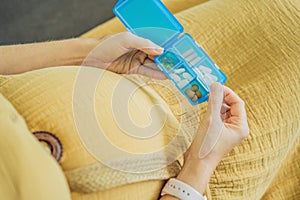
point(184, 62)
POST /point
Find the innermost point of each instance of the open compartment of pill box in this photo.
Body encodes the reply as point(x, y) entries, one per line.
point(184, 62)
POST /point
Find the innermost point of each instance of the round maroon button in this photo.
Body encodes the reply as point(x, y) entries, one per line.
point(52, 141)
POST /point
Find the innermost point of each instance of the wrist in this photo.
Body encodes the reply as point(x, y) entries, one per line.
point(82, 48)
point(196, 173)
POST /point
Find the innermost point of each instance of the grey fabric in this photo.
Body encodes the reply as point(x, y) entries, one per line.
point(40, 20)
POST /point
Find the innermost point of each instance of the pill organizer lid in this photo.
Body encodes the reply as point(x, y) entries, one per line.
point(148, 19)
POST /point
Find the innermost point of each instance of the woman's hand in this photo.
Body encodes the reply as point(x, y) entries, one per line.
point(121, 53)
point(125, 53)
point(224, 126)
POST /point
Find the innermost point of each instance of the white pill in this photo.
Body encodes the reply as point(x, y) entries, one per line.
point(212, 77)
point(179, 71)
point(191, 57)
point(187, 53)
point(187, 76)
point(199, 73)
point(205, 69)
point(183, 83)
point(208, 80)
point(195, 61)
point(176, 77)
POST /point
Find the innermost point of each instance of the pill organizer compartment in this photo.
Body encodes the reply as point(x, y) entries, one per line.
point(197, 59)
point(183, 76)
point(184, 62)
point(168, 60)
point(195, 92)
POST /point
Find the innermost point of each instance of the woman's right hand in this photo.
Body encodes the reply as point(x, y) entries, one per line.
point(224, 126)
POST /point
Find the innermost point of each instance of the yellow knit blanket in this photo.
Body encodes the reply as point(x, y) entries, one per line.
point(257, 45)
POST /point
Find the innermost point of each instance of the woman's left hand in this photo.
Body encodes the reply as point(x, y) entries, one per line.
point(125, 53)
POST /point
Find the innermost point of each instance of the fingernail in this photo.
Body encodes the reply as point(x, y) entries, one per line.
point(159, 50)
point(216, 87)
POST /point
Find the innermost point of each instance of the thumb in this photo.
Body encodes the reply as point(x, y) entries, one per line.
point(215, 101)
point(131, 41)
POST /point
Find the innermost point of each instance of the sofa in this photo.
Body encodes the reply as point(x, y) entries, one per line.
point(255, 43)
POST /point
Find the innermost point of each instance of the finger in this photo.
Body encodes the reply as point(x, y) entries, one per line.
point(237, 105)
point(225, 108)
point(149, 72)
point(152, 73)
point(130, 41)
point(151, 57)
point(149, 63)
point(225, 115)
point(231, 97)
point(215, 101)
point(140, 56)
point(215, 126)
point(238, 116)
point(144, 60)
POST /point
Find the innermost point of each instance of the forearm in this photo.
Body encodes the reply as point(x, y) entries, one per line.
point(195, 174)
point(16, 59)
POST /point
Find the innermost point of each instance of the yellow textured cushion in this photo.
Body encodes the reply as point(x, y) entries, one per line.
point(48, 107)
point(45, 99)
point(26, 170)
point(257, 45)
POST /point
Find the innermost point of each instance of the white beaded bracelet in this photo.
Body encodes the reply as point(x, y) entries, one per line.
point(181, 190)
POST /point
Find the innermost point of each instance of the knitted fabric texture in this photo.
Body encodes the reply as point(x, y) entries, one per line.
point(256, 44)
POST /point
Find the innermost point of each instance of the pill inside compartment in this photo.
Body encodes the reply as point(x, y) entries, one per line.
point(182, 76)
point(168, 60)
point(209, 73)
point(195, 91)
point(189, 50)
point(199, 61)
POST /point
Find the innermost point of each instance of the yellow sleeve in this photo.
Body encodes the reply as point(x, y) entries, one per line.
point(27, 172)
